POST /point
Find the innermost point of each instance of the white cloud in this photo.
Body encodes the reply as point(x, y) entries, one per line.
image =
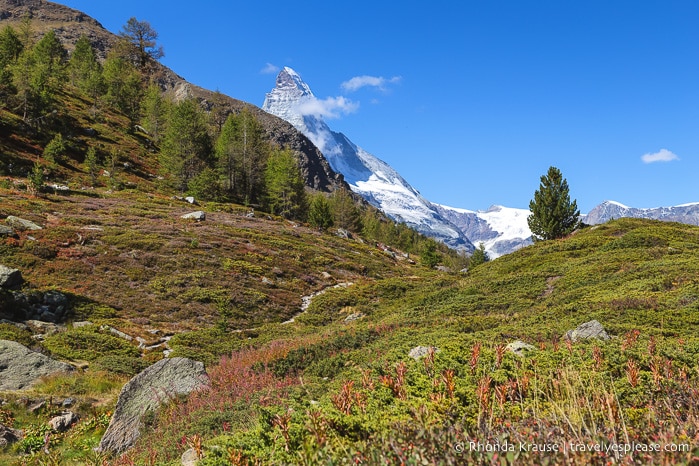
point(269, 69)
point(331, 107)
point(378, 82)
point(663, 155)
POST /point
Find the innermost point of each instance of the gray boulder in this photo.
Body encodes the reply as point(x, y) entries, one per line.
point(164, 380)
point(9, 436)
point(199, 216)
point(591, 329)
point(10, 278)
point(21, 224)
point(63, 422)
point(519, 348)
point(421, 351)
point(6, 231)
point(21, 367)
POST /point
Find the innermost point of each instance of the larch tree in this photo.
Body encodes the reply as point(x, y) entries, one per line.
point(286, 195)
point(186, 146)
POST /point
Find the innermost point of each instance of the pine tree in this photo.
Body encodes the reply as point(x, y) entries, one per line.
point(553, 214)
point(286, 195)
point(319, 212)
point(429, 256)
point(479, 256)
point(123, 84)
point(92, 164)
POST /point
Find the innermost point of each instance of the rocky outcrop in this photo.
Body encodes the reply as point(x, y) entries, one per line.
point(21, 224)
point(21, 367)
point(591, 329)
point(145, 392)
point(9, 436)
point(50, 306)
point(10, 278)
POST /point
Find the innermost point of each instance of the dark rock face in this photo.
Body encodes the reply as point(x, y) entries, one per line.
point(21, 367)
point(160, 382)
point(10, 278)
point(9, 436)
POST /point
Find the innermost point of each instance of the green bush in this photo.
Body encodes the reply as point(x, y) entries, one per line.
point(88, 344)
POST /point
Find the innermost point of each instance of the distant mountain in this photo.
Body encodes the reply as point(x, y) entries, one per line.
point(368, 176)
point(608, 210)
point(502, 230)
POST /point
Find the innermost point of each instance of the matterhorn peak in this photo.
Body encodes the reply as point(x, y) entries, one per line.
point(289, 80)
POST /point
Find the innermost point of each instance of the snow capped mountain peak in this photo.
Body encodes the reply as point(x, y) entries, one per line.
point(288, 79)
point(367, 175)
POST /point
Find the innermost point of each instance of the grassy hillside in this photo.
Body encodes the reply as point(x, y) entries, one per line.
point(337, 386)
point(339, 393)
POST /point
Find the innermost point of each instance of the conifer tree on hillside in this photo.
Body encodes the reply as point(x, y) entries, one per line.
point(553, 214)
point(10, 50)
point(142, 37)
point(186, 147)
point(241, 153)
point(286, 195)
point(320, 213)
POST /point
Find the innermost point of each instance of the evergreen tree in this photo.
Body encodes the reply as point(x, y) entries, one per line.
point(319, 212)
point(480, 256)
point(429, 256)
point(186, 146)
point(286, 195)
point(553, 214)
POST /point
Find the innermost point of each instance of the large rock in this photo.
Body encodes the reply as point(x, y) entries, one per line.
point(9, 436)
point(63, 422)
point(157, 384)
point(10, 278)
point(7, 231)
point(591, 329)
point(21, 367)
point(21, 224)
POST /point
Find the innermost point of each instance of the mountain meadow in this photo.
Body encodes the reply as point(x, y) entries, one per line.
point(145, 221)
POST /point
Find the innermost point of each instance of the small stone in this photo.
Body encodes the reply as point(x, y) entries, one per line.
point(9, 436)
point(519, 348)
point(7, 231)
point(63, 422)
point(190, 458)
point(198, 216)
point(190, 199)
point(354, 316)
point(420, 351)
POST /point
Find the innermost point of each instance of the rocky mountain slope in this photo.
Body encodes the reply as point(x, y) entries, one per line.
point(70, 24)
point(608, 210)
point(367, 175)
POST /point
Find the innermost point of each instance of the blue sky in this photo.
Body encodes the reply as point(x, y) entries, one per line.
point(470, 101)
